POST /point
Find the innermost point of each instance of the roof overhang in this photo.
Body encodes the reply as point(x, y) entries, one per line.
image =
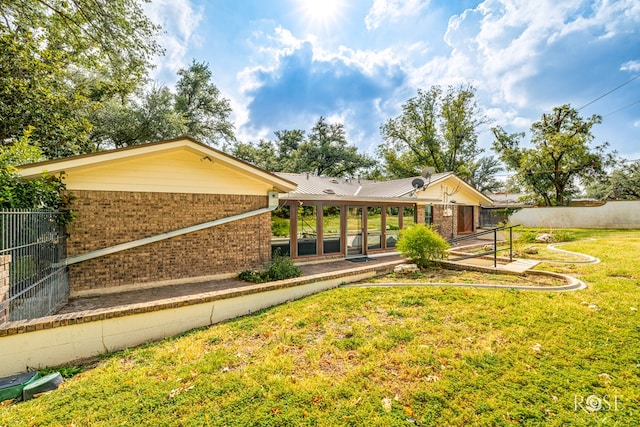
point(68, 164)
point(356, 199)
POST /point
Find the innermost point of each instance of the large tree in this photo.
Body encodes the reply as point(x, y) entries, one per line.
point(324, 151)
point(138, 121)
point(623, 183)
point(436, 128)
point(204, 109)
point(483, 174)
point(60, 58)
point(560, 156)
point(195, 108)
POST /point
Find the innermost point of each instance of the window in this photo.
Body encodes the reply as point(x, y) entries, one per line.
point(307, 233)
point(428, 214)
point(331, 229)
point(374, 227)
point(392, 226)
point(408, 216)
point(281, 230)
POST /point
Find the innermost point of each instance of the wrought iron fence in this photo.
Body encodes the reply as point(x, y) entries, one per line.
point(38, 277)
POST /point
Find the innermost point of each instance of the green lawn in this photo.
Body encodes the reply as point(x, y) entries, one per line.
point(387, 357)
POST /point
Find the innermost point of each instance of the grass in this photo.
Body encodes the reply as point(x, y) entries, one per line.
point(387, 357)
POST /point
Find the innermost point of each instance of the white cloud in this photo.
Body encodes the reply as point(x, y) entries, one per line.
point(391, 10)
point(179, 21)
point(499, 42)
point(630, 66)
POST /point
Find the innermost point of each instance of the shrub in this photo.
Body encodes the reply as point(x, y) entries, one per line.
point(422, 245)
point(280, 268)
point(563, 236)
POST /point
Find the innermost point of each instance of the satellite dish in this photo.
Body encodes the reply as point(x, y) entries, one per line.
point(417, 183)
point(428, 171)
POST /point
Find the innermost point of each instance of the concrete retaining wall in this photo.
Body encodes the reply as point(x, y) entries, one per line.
point(56, 340)
point(618, 214)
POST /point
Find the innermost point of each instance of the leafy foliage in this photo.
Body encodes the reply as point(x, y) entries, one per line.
point(559, 158)
point(199, 101)
point(43, 192)
point(436, 128)
point(422, 245)
point(196, 108)
point(483, 172)
point(623, 183)
point(280, 268)
point(59, 59)
point(324, 151)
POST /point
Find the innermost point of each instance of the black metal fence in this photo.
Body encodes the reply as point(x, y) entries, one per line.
point(38, 277)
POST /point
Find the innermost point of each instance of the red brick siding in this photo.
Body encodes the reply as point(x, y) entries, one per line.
point(106, 218)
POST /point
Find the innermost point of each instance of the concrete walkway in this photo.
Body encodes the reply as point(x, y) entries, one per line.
point(188, 289)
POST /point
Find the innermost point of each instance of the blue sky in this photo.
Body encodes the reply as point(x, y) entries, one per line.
point(285, 63)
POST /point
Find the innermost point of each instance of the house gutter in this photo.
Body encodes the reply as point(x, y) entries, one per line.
point(273, 204)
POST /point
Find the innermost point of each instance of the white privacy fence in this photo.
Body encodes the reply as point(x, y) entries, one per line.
point(616, 214)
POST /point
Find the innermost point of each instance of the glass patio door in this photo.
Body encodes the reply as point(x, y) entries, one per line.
point(355, 245)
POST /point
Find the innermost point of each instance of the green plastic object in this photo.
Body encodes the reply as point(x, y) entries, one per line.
point(46, 383)
point(12, 387)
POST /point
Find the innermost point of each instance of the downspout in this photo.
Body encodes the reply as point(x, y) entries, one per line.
point(273, 204)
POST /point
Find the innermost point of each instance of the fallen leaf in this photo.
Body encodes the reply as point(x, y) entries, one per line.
point(386, 404)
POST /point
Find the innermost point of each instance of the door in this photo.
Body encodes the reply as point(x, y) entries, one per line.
point(465, 219)
point(355, 244)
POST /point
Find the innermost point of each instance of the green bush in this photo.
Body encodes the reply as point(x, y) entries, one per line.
point(422, 245)
point(280, 268)
point(527, 236)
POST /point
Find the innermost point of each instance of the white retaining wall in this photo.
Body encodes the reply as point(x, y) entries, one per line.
point(59, 345)
point(617, 214)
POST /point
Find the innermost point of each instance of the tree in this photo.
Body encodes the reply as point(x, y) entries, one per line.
point(275, 156)
point(199, 101)
point(623, 183)
point(152, 118)
point(43, 192)
point(483, 174)
point(437, 129)
point(59, 58)
point(560, 156)
point(195, 109)
point(324, 151)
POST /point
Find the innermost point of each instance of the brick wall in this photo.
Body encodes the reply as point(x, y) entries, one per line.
point(106, 218)
point(445, 224)
point(4, 288)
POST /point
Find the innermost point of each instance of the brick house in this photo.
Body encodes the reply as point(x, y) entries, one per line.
point(163, 213)
point(179, 211)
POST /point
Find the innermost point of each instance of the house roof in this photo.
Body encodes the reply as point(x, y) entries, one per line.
point(181, 144)
point(327, 188)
